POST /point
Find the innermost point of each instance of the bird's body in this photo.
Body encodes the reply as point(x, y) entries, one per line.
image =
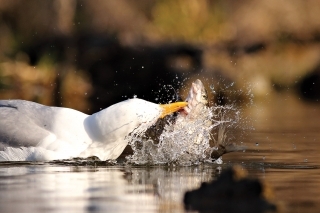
point(31, 131)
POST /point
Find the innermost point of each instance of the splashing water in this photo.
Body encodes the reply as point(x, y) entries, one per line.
point(189, 142)
point(189, 139)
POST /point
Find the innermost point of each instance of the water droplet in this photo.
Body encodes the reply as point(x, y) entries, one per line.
point(257, 144)
point(306, 160)
point(184, 143)
point(264, 157)
point(142, 67)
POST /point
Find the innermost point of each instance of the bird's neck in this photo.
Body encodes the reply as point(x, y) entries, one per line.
point(109, 128)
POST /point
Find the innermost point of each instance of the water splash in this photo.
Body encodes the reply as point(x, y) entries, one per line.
point(191, 140)
point(186, 142)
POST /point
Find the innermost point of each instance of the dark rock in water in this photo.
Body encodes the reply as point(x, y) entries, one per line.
point(231, 192)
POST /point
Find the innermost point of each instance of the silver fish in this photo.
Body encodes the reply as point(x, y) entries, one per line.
point(197, 100)
point(198, 103)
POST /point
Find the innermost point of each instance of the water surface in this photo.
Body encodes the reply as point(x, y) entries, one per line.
point(283, 151)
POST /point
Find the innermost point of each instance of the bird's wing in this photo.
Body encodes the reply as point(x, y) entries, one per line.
point(23, 123)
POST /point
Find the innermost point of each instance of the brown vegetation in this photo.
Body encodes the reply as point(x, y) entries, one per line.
point(52, 51)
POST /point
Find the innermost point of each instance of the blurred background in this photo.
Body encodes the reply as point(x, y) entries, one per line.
point(88, 55)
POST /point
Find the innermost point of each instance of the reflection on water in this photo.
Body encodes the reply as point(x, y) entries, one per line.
point(38, 188)
point(283, 151)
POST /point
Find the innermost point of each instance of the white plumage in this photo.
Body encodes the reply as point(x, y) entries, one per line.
point(31, 131)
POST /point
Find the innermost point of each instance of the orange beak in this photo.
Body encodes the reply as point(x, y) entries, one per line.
point(170, 108)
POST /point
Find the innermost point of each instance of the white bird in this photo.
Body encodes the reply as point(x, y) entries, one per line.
point(31, 131)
